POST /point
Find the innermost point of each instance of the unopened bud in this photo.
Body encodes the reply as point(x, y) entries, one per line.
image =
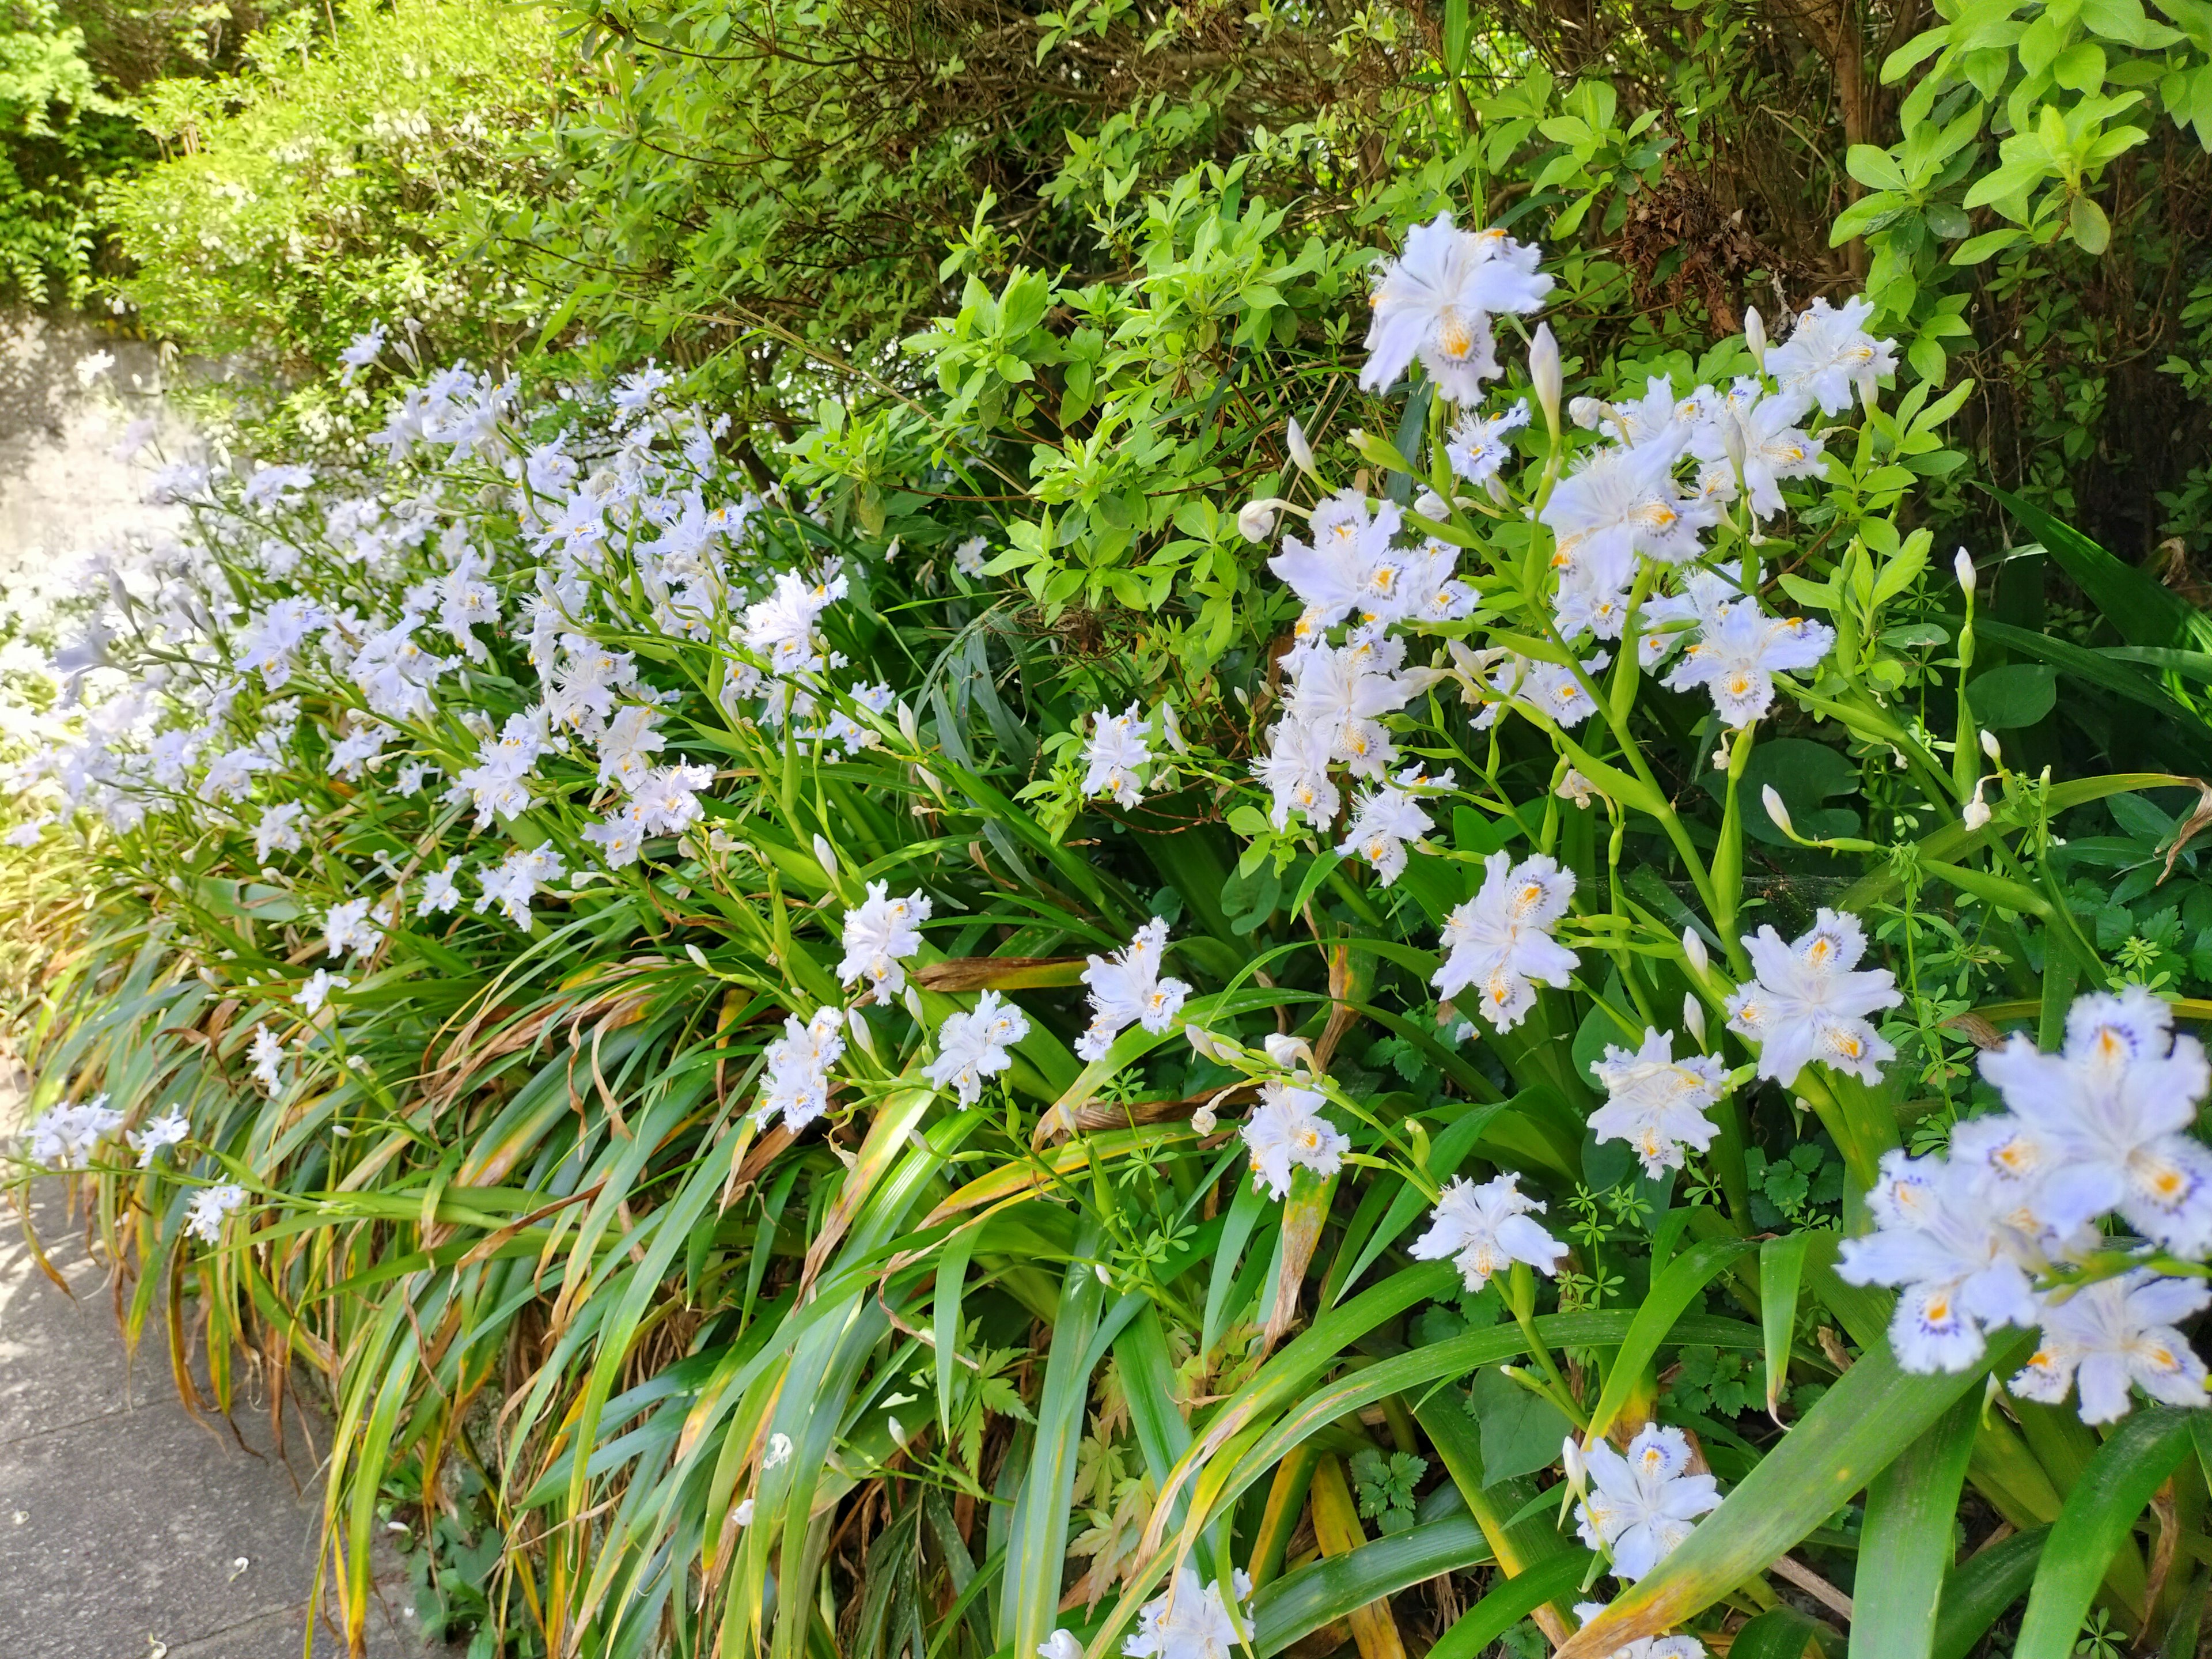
point(1963, 567)
point(1302, 455)
point(1544, 373)
point(1693, 1018)
point(863, 1038)
point(1976, 814)
point(1770, 797)
point(1171, 731)
point(1991, 747)
point(826, 856)
point(1203, 1119)
point(1208, 1045)
point(1694, 947)
point(1755, 335)
point(1289, 1052)
point(1734, 442)
point(1256, 522)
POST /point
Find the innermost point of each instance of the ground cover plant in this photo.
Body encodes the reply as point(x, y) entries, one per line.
point(1561, 1083)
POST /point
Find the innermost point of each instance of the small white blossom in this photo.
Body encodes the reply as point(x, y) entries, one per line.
point(64, 1137)
point(1642, 1505)
point(1829, 353)
point(1657, 1104)
point(267, 1055)
point(1286, 1131)
point(1943, 1238)
point(278, 831)
point(316, 991)
point(1484, 1229)
point(1191, 1621)
point(171, 1129)
point(203, 1215)
point(967, 557)
point(879, 933)
point(1117, 756)
point(2109, 1117)
point(1436, 299)
point(1808, 1004)
point(1477, 447)
point(1645, 1647)
point(1127, 989)
point(797, 1087)
point(1500, 941)
point(2115, 1333)
point(515, 882)
point(347, 928)
point(974, 1045)
point(1383, 820)
point(1740, 653)
point(441, 890)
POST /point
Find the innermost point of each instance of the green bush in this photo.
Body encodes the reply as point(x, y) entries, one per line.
point(317, 192)
point(60, 135)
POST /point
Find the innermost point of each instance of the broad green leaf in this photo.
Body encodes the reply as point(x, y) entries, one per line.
point(1671, 1294)
point(1905, 1542)
point(2094, 1526)
point(1781, 1271)
point(1977, 1593)
point(1511, 1601)
point(1300, 1602)
point(1778, 1633)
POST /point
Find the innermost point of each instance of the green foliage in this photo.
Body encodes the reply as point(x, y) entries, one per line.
point(323, 189)
point(60, 135)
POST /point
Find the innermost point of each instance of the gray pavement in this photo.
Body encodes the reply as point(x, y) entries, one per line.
point(128, 1530)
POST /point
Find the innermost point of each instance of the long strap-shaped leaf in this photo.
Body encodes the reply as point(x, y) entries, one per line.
point(1906, 1540)
point(1872, 1414)
point(1038, 1547)
point(1300, 1602)
point(1672, 1292)
point(1777, 1633)
point(1509, 1602)
point(2099, 1513)
point(1983, 1588)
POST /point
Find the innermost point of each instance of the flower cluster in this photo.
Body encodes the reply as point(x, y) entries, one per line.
point(1995, 1233)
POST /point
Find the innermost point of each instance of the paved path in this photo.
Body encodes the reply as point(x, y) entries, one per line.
point(123, 1523)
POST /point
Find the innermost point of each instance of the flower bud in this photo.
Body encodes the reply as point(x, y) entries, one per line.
point(1963, 567)
point(1171, 730)
point(1289, 1052)
point(1976, 815)
point(1770, 797)
point(826, 856)
point(1991, 747)
point(1430, 505)
point(1693, 1018)
point(1755, 335)
point(1302, 455)
point(1694, 947)
point(1063, 1645)
point(1256, 522)
point(1209, 1046)
point(1544, 373)
point(1734, 443)
point(1203, 1119)
point(863, 1038)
